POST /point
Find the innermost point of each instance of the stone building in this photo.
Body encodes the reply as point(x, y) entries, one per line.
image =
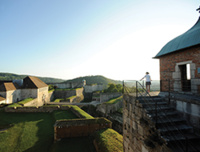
point(180, 62)
point(31, 87)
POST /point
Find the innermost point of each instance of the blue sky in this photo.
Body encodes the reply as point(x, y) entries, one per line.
point(67, 39)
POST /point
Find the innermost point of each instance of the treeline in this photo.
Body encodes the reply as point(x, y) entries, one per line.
point(90, 80)
point(11, 76)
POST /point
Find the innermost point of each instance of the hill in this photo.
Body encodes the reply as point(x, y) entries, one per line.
point(11, 76)
point(98, 79)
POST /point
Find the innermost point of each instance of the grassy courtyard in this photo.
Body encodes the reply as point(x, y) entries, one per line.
point(29, 131)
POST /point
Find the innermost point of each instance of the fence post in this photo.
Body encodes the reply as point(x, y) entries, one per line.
point(160, 85)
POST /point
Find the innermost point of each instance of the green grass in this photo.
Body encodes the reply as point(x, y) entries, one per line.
point(25, 101)
point(14, 105)
point(81, 112)
point(113, 101)
point(58, 100)
point(29, 132)
point(109, 140)
point(70, 97)
point(34, 132)
point(67, 114)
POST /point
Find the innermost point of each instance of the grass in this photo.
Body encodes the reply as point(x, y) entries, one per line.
point(81, 112)
point(113, 101)
point(25, 101)
point(67, 114)
point(14, 105)
point(31, 131)
point(70, 97)
point(109, 140)
point(58, 100)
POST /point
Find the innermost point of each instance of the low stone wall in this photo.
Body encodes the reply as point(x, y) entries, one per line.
point(106, 109)
point(35, 109)
point(107, 96)
point(79, 127)
point(139, 132)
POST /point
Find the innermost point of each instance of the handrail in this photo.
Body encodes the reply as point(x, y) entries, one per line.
point(139, 92)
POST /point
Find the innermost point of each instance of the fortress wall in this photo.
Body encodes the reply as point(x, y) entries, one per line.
point(107, 96)
point(139, 132)
point(79, 127)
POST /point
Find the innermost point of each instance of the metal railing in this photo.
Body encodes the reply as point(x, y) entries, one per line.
point(140, 92)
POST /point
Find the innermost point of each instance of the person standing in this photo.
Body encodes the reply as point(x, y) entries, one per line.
point(148, 81)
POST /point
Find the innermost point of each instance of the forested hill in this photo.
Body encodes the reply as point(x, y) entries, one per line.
point(11, 76)
point(98, 79)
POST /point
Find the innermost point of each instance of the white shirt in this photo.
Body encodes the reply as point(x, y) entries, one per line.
point(148, 78)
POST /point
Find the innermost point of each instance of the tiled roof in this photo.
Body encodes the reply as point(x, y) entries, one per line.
point(7, 86)
point(33, 82)
point(186, 40)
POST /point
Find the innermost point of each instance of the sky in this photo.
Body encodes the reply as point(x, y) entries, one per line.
point(71, 38)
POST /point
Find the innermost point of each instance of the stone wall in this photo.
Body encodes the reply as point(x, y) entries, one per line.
point(92, 88)
point(42, 95)
point(67, 85)
point(107, 96)
point(187, 106)
point(29, 93)
point(139, 132)
point(169, 67)
point(36, 109)
point(50, 96)
point(79, 127)
point(64, 93)
point(106, 109)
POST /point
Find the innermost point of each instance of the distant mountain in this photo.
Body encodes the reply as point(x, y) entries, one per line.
point(11, 76)
point(98, 79)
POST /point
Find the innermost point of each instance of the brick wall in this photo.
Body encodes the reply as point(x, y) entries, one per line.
point(168, 63)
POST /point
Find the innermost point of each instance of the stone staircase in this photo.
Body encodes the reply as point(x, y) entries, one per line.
point(179, 136)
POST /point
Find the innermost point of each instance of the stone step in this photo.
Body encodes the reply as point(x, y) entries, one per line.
point(164, 114)
point(172, 129)
point(160, 108)
point(168, 120)
point(191, 144)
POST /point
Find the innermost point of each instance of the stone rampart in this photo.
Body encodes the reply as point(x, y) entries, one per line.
point(106, 109)
point(107, 96)
point(79, 127)
point(139, 132)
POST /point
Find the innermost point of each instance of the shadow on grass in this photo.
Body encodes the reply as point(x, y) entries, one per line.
point(30, 132)
point(78, 144)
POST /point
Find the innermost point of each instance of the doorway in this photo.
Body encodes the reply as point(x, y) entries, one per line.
point(185, 77)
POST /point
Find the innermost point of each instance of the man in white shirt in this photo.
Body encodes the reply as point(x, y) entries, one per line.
point(148, 81)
